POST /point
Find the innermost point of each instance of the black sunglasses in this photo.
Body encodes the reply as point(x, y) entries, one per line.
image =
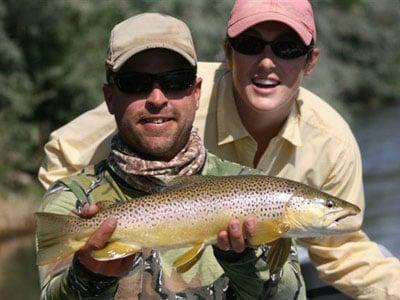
point(282, 48)
point(138, 82)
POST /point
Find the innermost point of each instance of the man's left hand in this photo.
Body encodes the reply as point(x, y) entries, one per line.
point(234, 238)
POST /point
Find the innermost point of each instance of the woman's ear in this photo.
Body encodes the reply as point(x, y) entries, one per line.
point(228, 53)
point(312, 61)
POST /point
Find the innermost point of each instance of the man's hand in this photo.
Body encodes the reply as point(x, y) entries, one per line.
point(234, 238)
point(116, 268)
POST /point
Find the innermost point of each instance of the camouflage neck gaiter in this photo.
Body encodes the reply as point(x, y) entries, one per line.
point(150, 175)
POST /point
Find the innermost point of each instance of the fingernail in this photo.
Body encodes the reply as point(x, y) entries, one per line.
point(112, 222)
point(250, 223)
point(84, 208)
point(234, 226)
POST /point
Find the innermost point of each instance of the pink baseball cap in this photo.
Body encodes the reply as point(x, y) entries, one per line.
point(297, 14)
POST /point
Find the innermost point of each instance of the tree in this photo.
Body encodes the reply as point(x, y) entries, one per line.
point(52, 54)
point(359, 41)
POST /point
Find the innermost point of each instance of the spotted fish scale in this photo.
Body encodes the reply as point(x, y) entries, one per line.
point(211, 201)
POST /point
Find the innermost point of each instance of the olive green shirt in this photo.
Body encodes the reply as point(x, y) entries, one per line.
point(216, 275)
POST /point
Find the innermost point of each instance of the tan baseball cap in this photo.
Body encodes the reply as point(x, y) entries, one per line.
point(149, 31)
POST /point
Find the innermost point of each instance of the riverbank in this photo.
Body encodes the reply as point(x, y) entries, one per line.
point(18, 272)
point(16, 218)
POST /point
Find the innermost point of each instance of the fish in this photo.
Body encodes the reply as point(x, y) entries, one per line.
point(192, 210)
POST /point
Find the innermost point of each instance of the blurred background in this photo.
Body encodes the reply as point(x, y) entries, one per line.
point(51, 70)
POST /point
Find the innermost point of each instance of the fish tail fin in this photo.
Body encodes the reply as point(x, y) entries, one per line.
point(53, 237)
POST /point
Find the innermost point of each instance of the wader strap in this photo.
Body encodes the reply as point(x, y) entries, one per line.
point(80, 194)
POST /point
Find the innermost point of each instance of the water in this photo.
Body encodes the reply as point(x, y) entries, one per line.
point(18, 272)
point(378, 134)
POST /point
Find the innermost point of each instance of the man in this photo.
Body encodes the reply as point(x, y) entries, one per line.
point(254, 112)
point(153, 92)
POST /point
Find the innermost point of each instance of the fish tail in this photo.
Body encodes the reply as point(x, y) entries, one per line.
point(53, 237)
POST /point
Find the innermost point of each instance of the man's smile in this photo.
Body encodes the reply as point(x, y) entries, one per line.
point(159, 120)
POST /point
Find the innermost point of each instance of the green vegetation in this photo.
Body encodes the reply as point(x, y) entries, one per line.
point(52, 52)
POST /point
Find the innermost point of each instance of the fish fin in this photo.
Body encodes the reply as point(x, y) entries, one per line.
point(267, 231)
point(115, 250)
point(184, 262)
point(53, 239)
point(278, 254)
point(106, 204)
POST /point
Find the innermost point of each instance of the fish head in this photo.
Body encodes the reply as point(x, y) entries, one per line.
point(313, 213)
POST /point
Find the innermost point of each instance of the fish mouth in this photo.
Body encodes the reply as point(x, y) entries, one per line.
point(338, 221)
point(346, 211)
point(345, 215)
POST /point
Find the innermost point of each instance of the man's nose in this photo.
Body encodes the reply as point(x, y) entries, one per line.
point(157, 98)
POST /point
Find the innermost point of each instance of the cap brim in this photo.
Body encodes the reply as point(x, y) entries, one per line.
point(120, 61)
point(244, 24)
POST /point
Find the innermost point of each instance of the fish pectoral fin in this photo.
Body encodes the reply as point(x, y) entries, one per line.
point(278, 254)
point(115, 250)
point(267, 231)
point(184, 262)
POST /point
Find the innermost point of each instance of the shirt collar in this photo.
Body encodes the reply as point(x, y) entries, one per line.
point(229, 124)
point(291, 129)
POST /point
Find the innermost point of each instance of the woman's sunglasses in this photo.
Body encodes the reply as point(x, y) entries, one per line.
point(282, 48)
point(137, 82)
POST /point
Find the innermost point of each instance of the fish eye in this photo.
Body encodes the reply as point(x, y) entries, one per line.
point(330, 204)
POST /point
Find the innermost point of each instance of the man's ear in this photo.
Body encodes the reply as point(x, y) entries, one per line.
point(197, 91)
point(312, 61)
point(108, 97)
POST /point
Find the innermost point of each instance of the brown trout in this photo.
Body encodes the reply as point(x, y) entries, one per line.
point(193, 212)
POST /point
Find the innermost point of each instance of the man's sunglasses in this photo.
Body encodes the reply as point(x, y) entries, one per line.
point(282, 48)
point(137, 82)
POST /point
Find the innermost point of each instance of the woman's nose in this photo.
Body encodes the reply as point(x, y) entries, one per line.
point(267, 58)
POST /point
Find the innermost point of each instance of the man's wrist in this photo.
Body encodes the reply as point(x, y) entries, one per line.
point(87, 283)
point(233, 257)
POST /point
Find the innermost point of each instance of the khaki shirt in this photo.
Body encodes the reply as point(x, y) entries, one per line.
point(315, 146)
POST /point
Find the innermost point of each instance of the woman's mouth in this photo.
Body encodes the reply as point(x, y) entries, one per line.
point(265, 83)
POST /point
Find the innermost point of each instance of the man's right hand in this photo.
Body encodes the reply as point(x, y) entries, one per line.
point(115, 268)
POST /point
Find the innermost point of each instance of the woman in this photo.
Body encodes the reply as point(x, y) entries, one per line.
point(253, 111)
